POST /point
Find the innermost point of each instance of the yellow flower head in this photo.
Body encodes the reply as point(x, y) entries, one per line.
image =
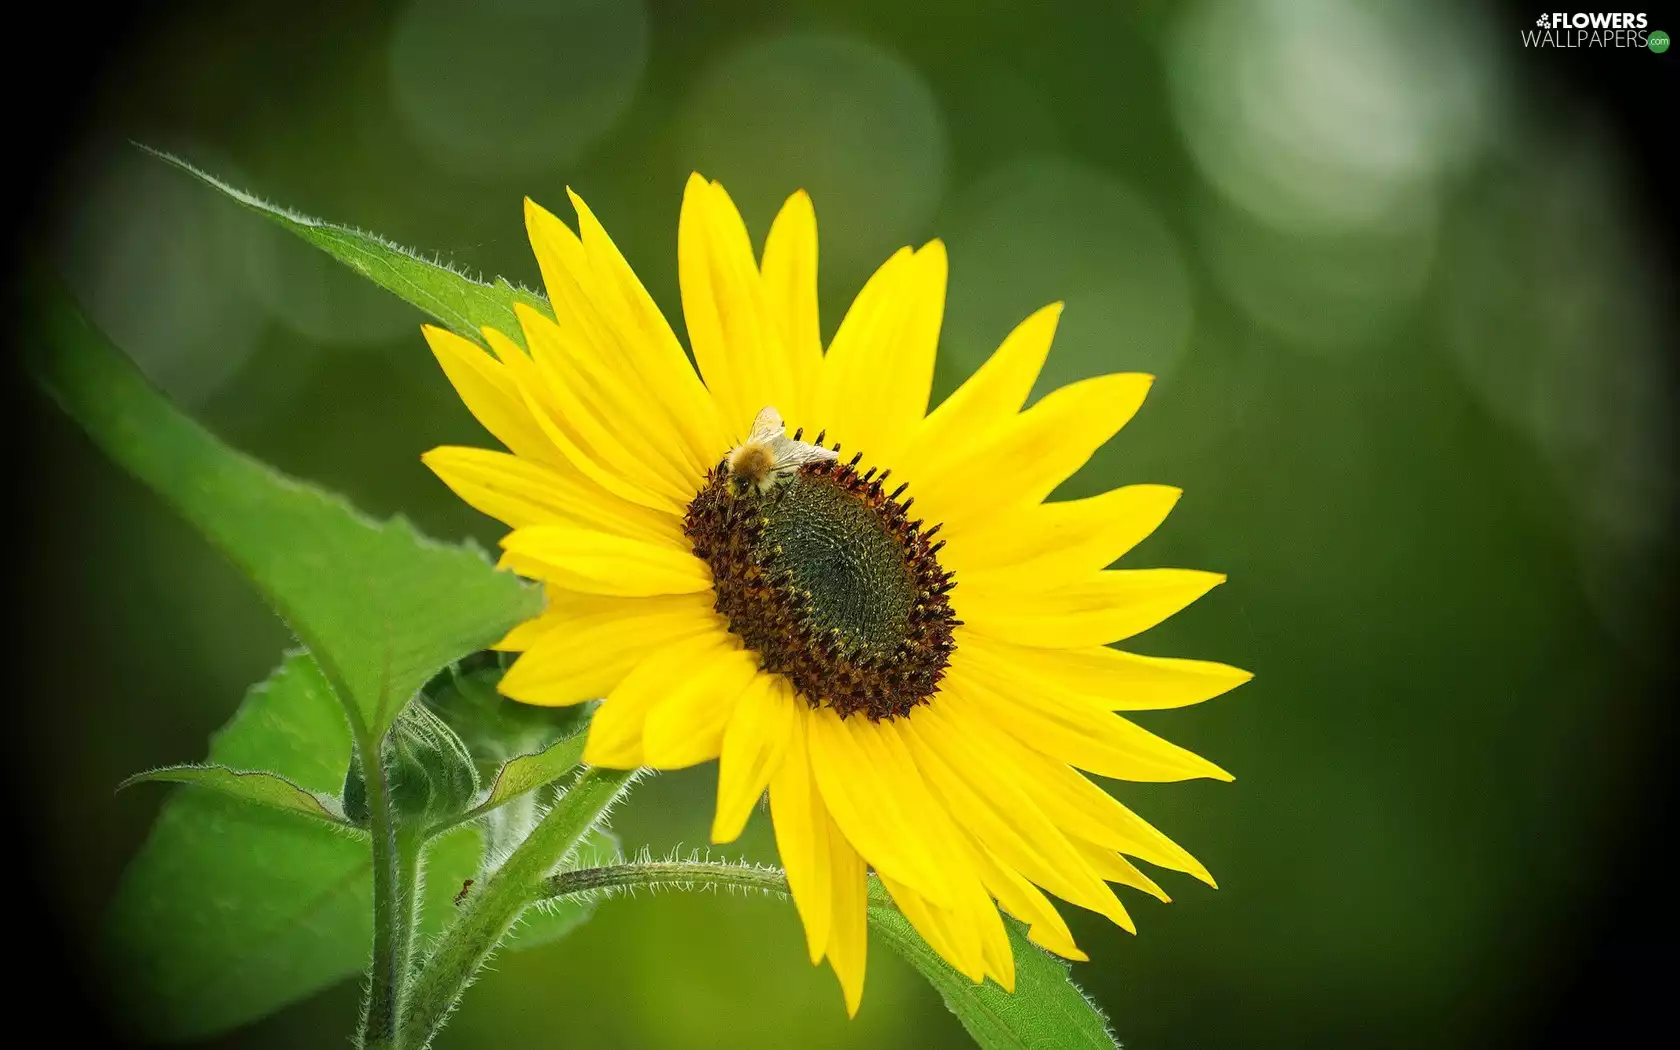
point(868, 609)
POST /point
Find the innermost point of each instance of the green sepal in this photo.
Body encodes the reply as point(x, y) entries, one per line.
point(254, 786)
point(495, 729)
point(519, 750)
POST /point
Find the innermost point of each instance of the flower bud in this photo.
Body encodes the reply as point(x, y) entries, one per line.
point(429, 771)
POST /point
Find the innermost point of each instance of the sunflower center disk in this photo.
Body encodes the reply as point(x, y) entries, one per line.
point(825, 576)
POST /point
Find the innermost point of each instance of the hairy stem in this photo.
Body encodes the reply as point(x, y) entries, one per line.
point(490, 912)
point(667, 874)
point(393, 923)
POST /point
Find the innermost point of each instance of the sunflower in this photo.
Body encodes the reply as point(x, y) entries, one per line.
point(877, 617)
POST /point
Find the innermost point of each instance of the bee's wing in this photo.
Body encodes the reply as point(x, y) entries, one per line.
point(767, 426)
point(795, 454)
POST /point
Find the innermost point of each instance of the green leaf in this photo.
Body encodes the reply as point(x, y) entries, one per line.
point(1047, 1011)
point(257, 787)
point(231, 911)
point(379, 606)
point(455, 300)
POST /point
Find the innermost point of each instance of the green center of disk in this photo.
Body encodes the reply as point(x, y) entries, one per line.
point(846, 570)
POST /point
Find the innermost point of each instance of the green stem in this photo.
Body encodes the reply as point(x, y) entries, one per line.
point(492, 910)
point(411, 844)
point(392, 924)
point(667, 874)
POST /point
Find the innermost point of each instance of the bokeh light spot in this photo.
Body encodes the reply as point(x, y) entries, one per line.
point(146, 251)
point(1043, 230)
point(1326, 291)
point(1323, 113)
point(836, 116)
point(509, 88)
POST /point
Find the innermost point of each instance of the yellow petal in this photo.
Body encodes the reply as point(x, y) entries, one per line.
point(686, 728)
point(753, 748)
point(590, 351)
point(624, 343)
point(1119, 681)
point(1054, 543)
point(614, 423)
point(1103, 607)
point(490, 393)
point(650, 347)
point(995, 949)
point(995, 814)
point(1020, 898)
point(957, 942)
point(879, 370)
point(737, 344)
point(1074, 731)
point(1022, 462)
point(789, 272)
point(990, 398)
point(969, 934)
point(600, 563)
point(1075, 805)
point(877, 797)
point(566, 610)
point(523, 492)
point(848, 936)
point(1112, 867)
point(802, 839)
point(579, 653)
point(542, 404)
point(615, 734)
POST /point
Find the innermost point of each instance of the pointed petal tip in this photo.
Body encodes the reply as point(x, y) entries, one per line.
point(853, 993)
point(514, 689)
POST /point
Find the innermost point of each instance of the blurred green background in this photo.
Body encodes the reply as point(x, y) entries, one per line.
point(1408, 337)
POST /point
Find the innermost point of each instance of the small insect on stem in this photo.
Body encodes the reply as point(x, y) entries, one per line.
point(461, 898)
point(769, 455)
